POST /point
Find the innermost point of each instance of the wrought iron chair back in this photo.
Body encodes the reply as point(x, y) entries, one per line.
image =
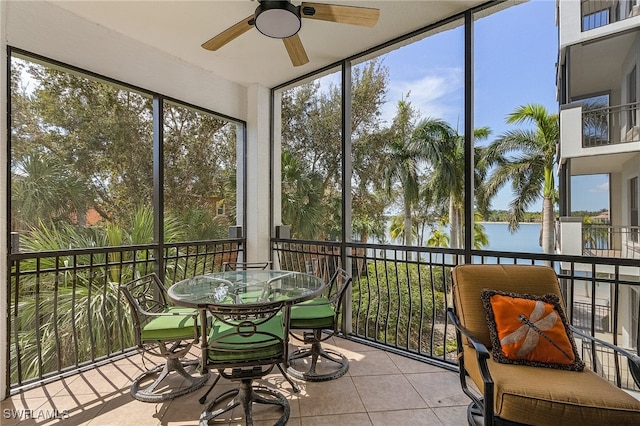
point(161, 330)
point(320, 320)
point(146, 296)
point(246, 342)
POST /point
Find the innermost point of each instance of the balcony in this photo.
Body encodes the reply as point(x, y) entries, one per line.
point(610, 125)
point(599, 240)
point(598, 140)
point(380, 388)
point(611, 241)
point(408, 346)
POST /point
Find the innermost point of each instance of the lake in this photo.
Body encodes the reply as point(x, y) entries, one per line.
point(524, 240)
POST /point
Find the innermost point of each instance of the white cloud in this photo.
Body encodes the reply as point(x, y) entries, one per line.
point(438, 94)
point(603, 187)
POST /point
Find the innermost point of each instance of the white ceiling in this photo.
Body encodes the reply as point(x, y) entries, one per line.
point(179, 27)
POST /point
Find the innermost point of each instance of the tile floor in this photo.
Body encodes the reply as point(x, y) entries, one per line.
point(380, 388)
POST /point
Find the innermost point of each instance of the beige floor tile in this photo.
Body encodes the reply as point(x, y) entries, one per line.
point(333, 397)
point(420, 417)
point(124, 410)
point(388, 392)
point(380, 388)
point(352, 419)
point(439, 389)
point(368, 363)
point(353, 346)
point(19, 408)
point(71, 409)
point(186, 409)
point(408, 365)
point(452, 416)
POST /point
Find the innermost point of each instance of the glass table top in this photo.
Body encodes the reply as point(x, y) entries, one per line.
point(232, 288)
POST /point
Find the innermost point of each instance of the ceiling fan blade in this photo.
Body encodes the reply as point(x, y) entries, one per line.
point(229, 34)
point(295, 50)
point(353, 15)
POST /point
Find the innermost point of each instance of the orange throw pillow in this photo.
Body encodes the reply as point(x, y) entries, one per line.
point(530, 330)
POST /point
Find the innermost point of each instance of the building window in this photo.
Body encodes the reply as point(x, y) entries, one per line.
point(596, 19)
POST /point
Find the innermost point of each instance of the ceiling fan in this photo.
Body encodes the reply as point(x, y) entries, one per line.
point(283, 20)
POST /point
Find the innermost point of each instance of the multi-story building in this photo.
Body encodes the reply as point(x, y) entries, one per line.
point(598, 90)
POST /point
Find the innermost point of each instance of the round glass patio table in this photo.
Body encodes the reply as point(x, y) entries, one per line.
point(234, 288)
point(231, 293)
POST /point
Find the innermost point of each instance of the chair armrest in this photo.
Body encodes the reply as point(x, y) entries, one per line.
point(482, 353)
point(480, 348)
point(633, 359)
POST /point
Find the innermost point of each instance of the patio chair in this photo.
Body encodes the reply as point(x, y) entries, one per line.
point(516, 346)
point(164, 331)
point(248, 296)
point(318, 318)
point(245, 344)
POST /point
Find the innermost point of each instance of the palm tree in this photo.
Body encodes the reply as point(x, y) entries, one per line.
point(301, 197)
point(44, 189)
point(526, 157)
point(443, 147)
point(438, 238)
point(402, 166)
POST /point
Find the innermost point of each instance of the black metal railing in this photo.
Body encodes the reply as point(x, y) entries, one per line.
point(611, 241)
point(584, 318)
point(65, 308)
point(610, 125)
point(400, 296)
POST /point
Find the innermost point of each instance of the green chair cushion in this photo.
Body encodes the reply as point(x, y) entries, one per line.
point(227, 346)
point(170, 327)
point(317, 313)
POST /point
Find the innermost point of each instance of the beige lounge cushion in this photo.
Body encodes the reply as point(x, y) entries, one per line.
point(557, 397)
point(472, 279)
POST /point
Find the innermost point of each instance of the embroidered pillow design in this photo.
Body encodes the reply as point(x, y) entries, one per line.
point(530, 330)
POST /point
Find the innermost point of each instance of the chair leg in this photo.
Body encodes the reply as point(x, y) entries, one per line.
point(246, 395)
point(316, 351)
point(474, 415)
point(294, 386)
point(148, 394)
point(203, 398)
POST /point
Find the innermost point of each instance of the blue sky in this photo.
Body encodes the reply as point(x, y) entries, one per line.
point(516, 53)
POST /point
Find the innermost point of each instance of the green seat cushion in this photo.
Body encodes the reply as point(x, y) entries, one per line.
point(170, 327)
point(226, 345)
point(316, 313)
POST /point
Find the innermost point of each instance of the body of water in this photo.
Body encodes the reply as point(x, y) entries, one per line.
point(524, 240)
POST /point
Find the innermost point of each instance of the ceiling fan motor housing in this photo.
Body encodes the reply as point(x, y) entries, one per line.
point(277, 19)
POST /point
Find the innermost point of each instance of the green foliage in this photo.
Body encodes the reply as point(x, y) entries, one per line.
point(312, 149)
point(82, 146)
point(395, 303)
